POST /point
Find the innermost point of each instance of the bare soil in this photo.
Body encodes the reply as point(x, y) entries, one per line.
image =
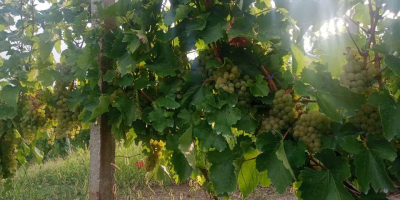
point(186, 192)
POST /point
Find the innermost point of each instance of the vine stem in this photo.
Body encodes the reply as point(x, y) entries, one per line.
point(121, 156)
point(354, 42)
point(290, 129)
point(362, 28)
point(207, 80)
point(146, 96)
point(347, 185)
point(205, 174)
point(317, 162)
point(380, 72)
point(271, 83)
point(305, 101)
point(374, 17)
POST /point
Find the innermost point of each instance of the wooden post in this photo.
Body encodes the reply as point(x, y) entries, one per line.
point(102, 141)
point(68, 144)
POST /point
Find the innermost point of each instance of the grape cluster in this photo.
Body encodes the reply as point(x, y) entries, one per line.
point(32, 117)
point(205, 56)
point(183, 59)
point(355, 76)
point(282, 114)
point(156, 148)
point(67, 120)
point(367, 119)
point(310, 127)
point(227, 78)
point(8, 160)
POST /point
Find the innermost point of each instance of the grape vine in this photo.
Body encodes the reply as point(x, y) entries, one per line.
point(222, 92)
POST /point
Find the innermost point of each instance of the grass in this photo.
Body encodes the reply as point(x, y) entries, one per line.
point(68, 178)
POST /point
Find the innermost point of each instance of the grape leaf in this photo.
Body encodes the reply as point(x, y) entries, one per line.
point(300, 60)
point(321, 185)
point(126, 80)
point(248, 175)
point(119, 8)
point(126, 64)
point(333, 99)
point(4, 46)
point(395, 169)
point(7, 112)
point(295, 154)
point(222, 171)
point(179, 13)
point(10, 94)
point(361, 15)
point(45, 49)
point(188, 117)
point(273, 159)
point(393, 63)
point(167, 102)
point(259, 88)
point(242, 27)
point(128, 108)
point(186, 146)
point(247, 123)
point(224, 118)
point(208, 138)
point(224, 98)
point(169, 86)
point(212, 32)
point(160, 119)
point(264, 180)
point(101, 108)
point(370, 168)
point(213, 64)
point(196, 95)
point(390, 112)
point(326, 184)
point(373, 196)
point(181, 166)
point(109, 76)
point(165, 63)
point(197, 24)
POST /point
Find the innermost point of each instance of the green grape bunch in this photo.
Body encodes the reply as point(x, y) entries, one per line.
point(228, 78)
point(8, 152)
point(310, 127)
point(355, 76)
point(32, 116)
point(156, 148)
point(204, 57)
point(183, 59)
point(367, 119)
point(283, 113)
point(67, 120)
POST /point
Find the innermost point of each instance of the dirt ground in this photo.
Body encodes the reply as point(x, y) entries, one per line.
point(187, 192)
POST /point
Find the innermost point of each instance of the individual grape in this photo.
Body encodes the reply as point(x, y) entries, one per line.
point(156, 148)
point(367, 119)
point(310, 127)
